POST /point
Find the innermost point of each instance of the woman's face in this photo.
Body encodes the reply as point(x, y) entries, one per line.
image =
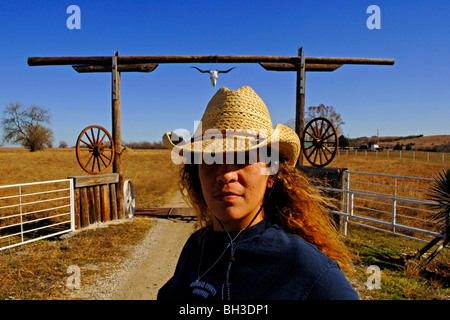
point(234, 192)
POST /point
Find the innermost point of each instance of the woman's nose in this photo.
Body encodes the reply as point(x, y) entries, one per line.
point(226, 173)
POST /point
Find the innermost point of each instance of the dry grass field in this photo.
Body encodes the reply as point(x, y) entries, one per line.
point(153, 175)
point(27, 273)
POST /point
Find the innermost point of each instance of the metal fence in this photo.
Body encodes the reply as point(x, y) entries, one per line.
point(34, 211)
point(437, 157)
point(389, 203)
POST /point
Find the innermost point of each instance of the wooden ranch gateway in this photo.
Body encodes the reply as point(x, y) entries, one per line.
point(319, 144)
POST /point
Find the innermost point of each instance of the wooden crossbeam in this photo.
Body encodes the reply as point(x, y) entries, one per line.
point(149, 67)
point(293, 67)
point(104, 60)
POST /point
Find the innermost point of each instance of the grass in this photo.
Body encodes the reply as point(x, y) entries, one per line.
point(153, 175)
point(39, 270)
point(397, 281)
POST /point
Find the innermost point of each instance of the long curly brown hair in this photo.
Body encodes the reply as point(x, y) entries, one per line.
point(295, 205)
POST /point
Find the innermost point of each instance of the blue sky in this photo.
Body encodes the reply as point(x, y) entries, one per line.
point(411, 97)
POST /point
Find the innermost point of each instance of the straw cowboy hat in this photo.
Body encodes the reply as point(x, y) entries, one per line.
point(238, 121)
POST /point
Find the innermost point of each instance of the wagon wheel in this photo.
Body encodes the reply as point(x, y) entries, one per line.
point(320, 142)
point(129, 199)
point(95, 150)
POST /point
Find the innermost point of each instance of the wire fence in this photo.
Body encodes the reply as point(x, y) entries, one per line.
point(437, 157)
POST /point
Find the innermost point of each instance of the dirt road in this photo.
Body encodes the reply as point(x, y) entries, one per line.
point(156, 257)
point(151, 264)
point(161, 248)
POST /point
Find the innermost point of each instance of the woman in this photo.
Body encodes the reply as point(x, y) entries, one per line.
point(267, 233)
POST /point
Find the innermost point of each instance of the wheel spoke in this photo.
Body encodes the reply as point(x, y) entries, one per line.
point(326, 130)
point(87, 144)
point(90, 140)
point(101, 140)
point(106, 143)
point(315, 157)
point(101, 154)
point(98, 164)
point(89, 160)
point(325, 147)
point(93, 136)
point(324, 154)
point(98, 135)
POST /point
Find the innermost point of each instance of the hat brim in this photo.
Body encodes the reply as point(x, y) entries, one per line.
point(282, 138)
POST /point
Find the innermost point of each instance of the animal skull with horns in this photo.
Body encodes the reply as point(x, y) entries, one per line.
point(214, 74)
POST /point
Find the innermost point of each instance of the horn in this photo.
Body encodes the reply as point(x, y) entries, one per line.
point(202, 71)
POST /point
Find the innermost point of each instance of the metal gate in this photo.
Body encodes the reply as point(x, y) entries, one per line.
point(35, 211)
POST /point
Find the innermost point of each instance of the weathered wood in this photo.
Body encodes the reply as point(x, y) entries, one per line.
point(117, 138)
point(92, 214)
point(294, 67)
point(331, 60)
point(103, 60)
point(84, 208)
point(149, 67)
point(93, 180)
point(77, 208)
point(104, 195)
point(113, 201)
point(300, 101)
point(97, 200)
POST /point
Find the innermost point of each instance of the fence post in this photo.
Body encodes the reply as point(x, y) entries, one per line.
point(394, 212)
point(72, 205)
point(21, 218)
point(346, 198)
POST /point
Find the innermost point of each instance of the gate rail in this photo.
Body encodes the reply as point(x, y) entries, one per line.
point(35, 211)
point(391, 207)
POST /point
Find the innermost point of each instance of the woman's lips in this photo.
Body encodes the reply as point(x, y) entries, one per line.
point(227, 196)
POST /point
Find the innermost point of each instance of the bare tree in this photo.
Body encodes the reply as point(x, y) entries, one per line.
point(24, 126)
point(326, 112)
point(321, 111)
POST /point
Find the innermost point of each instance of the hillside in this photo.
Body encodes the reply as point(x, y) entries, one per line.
point(438, 143)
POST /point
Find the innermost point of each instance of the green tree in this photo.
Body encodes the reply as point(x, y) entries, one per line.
point(343, 141)
point(24, 126)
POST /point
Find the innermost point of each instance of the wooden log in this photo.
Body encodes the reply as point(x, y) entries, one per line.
point(331, 60)
point(293, 67)
point(97, 200)
point(84, 208)
point(104, 191)
point(117, 138)
point(300, 100)
point(93, 180)
point(77, 208)
point(149, 67)
point(113, 201)
point(103, 60)
point(92, 215)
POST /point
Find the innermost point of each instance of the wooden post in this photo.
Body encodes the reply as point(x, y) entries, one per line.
point(300, 101)
point(84, 208)
point(113, 201)
point(117, 135)
point(77, 209)
point(104, 194)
